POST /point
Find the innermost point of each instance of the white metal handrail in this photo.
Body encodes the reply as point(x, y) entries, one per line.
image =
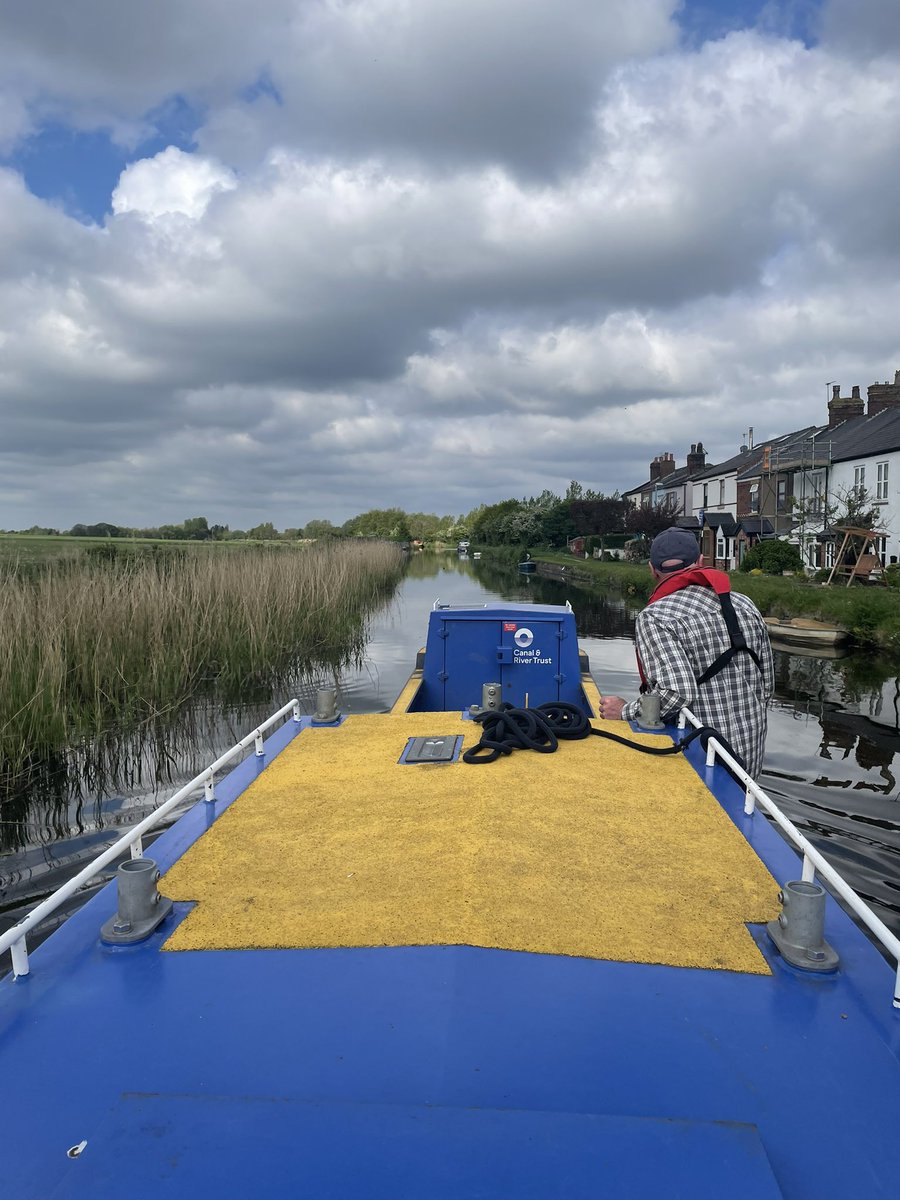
point(813, 861)
point(440, 606)
point(14, 939)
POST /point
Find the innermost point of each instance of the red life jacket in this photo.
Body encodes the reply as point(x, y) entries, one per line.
point(721, 585)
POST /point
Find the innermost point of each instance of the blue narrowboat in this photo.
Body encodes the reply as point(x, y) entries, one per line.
point(415, 954)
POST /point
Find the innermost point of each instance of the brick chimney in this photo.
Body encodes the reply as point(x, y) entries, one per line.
point(696, 460)
point(662, 465)
point(841, 408)
point(884, 395)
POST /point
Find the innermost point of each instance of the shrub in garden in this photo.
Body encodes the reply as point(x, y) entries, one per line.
point(773, 557)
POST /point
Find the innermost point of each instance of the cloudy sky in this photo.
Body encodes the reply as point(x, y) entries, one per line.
point(302, 258)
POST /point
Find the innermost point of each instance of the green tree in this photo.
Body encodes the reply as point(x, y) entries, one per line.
point(266, 532)
point(197, 529)
point(390, 523)
point(101, 529)
point(576, 491)
point(602, 514)
point(319, 529)
point(557, 525)
point(423, 526)
point(489, 526)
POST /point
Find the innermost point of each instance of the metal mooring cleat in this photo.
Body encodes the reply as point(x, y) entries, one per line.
point(141, 907)
point(799, 933)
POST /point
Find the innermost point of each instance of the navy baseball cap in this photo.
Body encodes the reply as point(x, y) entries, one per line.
point(675, 546)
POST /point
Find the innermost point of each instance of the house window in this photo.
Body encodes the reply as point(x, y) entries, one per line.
point(782, 495)
point(859, 478)
point(881, 485)
point(881, 549)
point(721, 491)
point(814, 492)
point(706, 495)
point(829, 554)
point(754, 497)
point(720, 547)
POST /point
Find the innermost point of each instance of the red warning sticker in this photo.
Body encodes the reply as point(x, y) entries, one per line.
point(509, 627)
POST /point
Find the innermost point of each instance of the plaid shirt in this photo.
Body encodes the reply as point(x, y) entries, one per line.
point(681, 635)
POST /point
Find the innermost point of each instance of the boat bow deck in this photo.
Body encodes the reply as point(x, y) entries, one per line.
point(448, 1070)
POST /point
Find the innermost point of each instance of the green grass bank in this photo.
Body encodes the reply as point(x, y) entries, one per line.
point(869, 612)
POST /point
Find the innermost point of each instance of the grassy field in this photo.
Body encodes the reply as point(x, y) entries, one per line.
point(25, 548)
point(90, 646)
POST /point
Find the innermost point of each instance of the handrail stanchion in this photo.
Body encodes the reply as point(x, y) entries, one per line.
point(258, 738)
point(711, 752)
point(19, 952)
point(296, 713)
point(137, 848)
point(209, 786)
point(749, 802)
point(813, 862)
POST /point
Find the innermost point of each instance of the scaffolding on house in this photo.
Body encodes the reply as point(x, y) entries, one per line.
point(802, 512)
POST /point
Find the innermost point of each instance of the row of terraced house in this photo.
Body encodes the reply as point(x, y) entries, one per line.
point(786, 487)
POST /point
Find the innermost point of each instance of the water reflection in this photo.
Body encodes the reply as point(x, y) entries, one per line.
point(596, 614)
point(831, 760)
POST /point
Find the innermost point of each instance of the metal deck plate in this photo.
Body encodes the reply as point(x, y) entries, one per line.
point(191, 1146)
point(431, 749)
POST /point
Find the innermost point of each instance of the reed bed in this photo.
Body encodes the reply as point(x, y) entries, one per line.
point(109, 645)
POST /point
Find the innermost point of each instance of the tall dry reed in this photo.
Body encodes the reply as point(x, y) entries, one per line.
point(100, 646)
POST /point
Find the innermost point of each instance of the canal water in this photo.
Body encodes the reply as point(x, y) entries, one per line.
point(832, 757)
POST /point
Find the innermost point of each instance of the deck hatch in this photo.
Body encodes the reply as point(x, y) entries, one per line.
point(431, 749)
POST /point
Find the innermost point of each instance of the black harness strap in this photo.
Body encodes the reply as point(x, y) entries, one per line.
point(738, 641)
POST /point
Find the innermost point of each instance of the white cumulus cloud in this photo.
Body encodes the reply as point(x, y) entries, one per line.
point(171, 182)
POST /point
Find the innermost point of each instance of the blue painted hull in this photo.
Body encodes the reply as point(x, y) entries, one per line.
point(445, 1071)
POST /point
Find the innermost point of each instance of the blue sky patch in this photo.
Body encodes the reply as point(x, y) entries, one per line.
point(708, 20)
point(262, 86)
point(78, 169)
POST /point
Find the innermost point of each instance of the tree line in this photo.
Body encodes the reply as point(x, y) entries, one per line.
point(545, 520)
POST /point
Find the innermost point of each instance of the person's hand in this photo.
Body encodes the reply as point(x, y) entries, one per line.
point(611, 707)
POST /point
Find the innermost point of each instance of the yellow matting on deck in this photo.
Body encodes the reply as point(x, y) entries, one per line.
point(595, 851)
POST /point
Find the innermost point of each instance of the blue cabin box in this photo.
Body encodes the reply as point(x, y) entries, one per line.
point(531, 650)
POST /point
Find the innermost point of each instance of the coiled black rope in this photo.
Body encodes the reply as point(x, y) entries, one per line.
point(506, 728)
